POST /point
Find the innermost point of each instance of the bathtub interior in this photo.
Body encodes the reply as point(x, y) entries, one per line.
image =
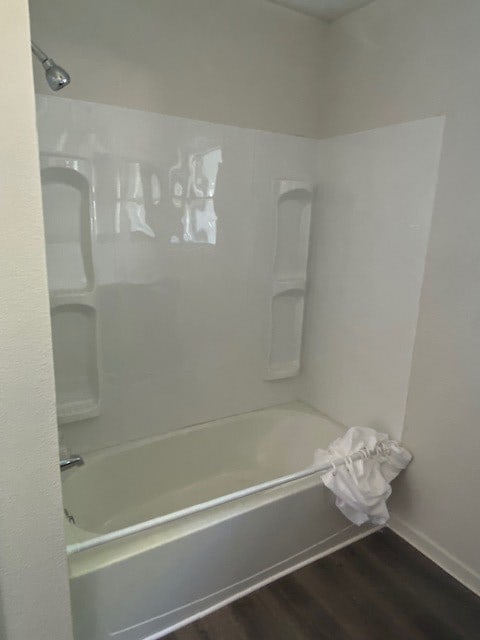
point(123, 486)
point(165, 574)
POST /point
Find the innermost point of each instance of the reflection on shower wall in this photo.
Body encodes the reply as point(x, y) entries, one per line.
point(181, 227)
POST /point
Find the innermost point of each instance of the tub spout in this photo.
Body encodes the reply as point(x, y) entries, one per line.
point(72, 461)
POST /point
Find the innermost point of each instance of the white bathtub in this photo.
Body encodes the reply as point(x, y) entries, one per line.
point(145, 584)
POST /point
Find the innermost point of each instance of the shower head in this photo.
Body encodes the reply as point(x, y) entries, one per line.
point(56, 76)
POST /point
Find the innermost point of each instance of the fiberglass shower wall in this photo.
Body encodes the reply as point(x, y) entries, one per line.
point(172, 260)
point(376, 192)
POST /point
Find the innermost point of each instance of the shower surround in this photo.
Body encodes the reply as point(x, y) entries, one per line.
point(179, 268)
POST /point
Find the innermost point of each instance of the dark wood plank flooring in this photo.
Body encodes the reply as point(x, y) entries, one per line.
point(379, 588)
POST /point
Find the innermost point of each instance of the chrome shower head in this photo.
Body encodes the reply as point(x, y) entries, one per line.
point(56, 76)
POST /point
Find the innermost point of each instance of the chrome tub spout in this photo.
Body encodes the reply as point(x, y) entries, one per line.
point(72, 461)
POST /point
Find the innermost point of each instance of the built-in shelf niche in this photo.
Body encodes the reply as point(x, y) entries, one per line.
point(69, 224)
point(292, 213)
point(293, 229)
point(66, 203)
point(75, 360)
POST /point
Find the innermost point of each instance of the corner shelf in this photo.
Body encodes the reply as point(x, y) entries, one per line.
point(293, 203)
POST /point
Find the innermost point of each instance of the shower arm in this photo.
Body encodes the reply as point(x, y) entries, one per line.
point(41, 55)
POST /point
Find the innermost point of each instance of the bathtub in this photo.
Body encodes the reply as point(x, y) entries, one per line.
point(162, 531)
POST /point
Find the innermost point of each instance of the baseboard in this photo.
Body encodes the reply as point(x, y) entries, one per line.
point(437, 554)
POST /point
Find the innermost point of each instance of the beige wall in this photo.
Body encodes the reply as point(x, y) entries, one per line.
point(399, 60)
point(249, 63)
point(34, 601)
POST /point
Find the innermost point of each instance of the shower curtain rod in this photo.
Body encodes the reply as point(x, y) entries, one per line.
point(382, 448)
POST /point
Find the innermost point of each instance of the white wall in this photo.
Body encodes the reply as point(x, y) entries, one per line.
point(182, 317)
point(398, 60)
point(34, 599)
point(249, 63)
point(369, 240)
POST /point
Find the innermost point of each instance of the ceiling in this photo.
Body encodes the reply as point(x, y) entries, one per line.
point(325, 9)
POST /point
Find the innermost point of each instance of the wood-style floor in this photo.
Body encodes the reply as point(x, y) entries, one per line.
point(379, 588)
